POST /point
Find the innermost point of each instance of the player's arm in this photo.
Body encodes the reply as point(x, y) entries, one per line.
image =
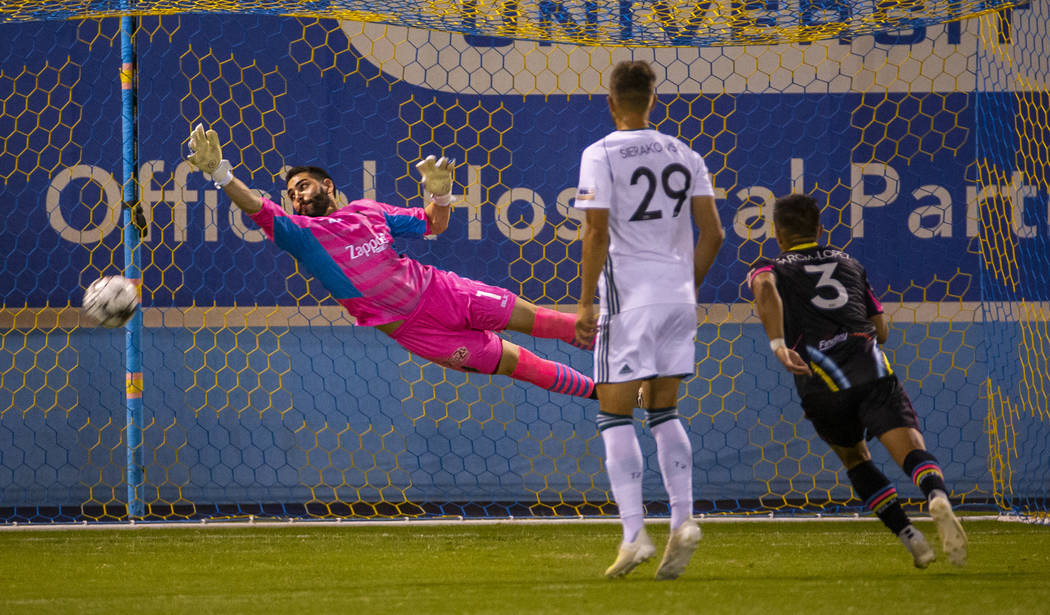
point(206, 155)
point(771, 312)
point(705, 217)
point(436, 178)
point(595, 252)
point(882, 329)
point(246, 199)
point(437, 217)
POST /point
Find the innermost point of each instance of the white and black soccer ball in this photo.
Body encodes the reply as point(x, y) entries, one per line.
point(111, 301)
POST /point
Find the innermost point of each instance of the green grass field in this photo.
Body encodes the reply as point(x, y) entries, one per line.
point(741, 567)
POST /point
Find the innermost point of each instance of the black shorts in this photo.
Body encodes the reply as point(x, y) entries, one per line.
point(844, 418)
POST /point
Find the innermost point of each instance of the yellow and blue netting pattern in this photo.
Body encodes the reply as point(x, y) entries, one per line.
point(925, 140)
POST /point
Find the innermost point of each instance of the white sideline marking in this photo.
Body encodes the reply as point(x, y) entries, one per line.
point(409, 522)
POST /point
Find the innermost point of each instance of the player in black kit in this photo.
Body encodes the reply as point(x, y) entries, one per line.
point(825, 326)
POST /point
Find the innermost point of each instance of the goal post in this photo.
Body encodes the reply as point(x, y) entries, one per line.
point(922, 134)
point(1012, 168)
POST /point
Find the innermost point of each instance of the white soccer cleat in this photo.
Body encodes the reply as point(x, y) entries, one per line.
point(680, 547)
point(920, 550)
point(953, 538)
point(631, 555)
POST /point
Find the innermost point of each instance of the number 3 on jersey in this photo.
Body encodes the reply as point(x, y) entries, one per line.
point(826, 281)
point(680, 195)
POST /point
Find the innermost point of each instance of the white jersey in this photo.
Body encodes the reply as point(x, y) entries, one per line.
point(646, 180)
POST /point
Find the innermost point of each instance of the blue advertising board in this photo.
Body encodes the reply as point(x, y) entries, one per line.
point(899, 166)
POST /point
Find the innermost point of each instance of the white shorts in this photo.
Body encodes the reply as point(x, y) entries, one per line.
point(655, 341)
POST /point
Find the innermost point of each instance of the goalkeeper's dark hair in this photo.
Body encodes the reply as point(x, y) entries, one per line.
point(632, 84)
point(797, 215)
point(315, 172)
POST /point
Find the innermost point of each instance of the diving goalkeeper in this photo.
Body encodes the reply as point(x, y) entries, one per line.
point(432, 313)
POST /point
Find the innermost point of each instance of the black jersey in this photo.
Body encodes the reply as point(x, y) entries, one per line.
point(828, 305)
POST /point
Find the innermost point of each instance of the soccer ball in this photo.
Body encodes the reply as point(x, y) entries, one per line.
point(111, 301)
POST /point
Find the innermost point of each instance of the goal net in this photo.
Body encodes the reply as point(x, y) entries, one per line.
point(920, 126)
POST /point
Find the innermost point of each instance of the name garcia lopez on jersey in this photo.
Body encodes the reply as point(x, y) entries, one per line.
point(796, 257)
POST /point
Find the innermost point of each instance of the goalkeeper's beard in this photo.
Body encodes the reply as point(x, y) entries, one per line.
point(317, 206)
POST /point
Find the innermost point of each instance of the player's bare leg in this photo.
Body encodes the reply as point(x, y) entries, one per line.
point(906, 446)
point(541, 322)
point(521, 364)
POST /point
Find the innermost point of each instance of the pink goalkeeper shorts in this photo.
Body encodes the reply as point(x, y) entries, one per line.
point(454, 322)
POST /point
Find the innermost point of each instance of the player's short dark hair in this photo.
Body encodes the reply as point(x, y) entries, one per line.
point(632, 84)
point(315, 172)
point(798, 215)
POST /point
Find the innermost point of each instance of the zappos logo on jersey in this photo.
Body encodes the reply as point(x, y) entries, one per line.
point(368, 248)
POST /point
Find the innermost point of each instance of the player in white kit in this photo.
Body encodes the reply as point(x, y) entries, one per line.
point(643, 192)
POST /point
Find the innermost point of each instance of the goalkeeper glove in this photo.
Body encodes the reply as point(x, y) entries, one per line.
point(436, 177)
point(207, 156)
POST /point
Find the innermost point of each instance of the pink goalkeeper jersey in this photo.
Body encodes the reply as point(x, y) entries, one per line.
point(350, 253)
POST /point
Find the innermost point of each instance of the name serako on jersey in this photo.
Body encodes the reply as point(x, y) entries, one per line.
point(646, 180)
point(828, 305)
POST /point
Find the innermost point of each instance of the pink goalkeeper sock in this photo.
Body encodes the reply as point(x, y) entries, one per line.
point(552, 324)
point(551, 376)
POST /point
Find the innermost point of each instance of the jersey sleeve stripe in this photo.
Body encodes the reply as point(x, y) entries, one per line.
point(751, 276)
point(875, 301)
point(403, 224)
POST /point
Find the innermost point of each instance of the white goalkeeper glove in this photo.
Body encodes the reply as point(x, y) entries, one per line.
point(207, 156)
point(436, 177)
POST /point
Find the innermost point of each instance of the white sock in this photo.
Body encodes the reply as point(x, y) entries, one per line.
point(624, 464)
point(675, 453)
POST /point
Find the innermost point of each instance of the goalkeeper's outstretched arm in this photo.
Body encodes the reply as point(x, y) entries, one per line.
point(242, 196)
point(206, 155)
point(438, 216)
